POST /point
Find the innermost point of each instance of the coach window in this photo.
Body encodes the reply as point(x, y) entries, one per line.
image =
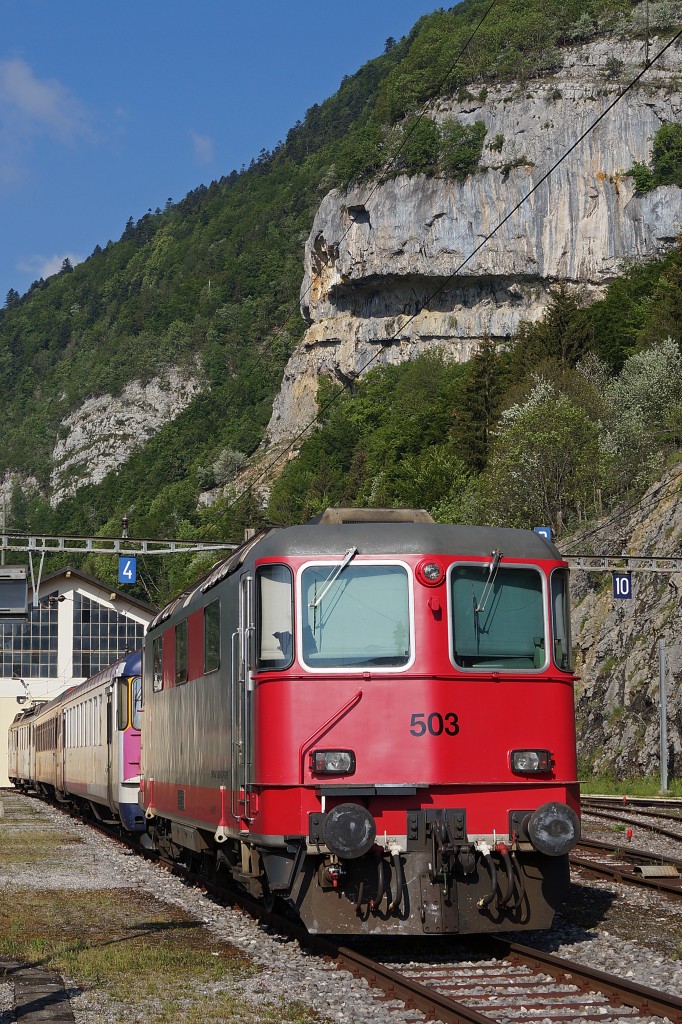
point(181, 652)
point(212, 637)
point(157, 662)
point(275, 645)
point(136, 702)
point(561, 621)
point(121, 704)
point(355, 616)
point(498, 619)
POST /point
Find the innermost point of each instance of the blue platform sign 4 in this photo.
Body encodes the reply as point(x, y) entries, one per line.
point(622, 584)
point(544, 531)
point(127, 570)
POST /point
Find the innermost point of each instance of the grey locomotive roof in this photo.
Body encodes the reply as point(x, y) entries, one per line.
point(403, 539)
point(332, 540)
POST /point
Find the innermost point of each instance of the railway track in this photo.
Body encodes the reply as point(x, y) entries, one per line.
point(478, 980)
point(499, 980)
point(632, 866)
point(638, 822)
point(482, 980)
point(663, 810)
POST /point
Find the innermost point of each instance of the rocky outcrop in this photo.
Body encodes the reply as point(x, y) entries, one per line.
point(617, 640)
point(102, 433)
point(394, 268)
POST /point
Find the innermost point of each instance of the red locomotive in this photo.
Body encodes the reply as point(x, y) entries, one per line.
point(371, 718)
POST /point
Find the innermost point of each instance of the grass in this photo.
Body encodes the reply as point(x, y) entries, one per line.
point(133, 957)
point(647, 786)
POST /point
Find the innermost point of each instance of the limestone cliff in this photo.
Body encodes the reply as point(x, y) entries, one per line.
point(385, 271)
point(101, 434)
point(616, 641)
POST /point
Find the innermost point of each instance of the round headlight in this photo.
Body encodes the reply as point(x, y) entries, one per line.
point(430, 572)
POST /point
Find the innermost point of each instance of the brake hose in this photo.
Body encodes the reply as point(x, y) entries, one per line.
point(376, 903)
point(522, 888)
point(485, 901)
point(503, 851)
point(399, 879)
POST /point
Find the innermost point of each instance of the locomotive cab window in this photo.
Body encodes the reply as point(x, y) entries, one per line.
point(355, 615)
point(561, 621)
point(497, 618)
point(275, 642)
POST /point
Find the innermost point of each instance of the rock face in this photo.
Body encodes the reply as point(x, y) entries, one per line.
point(394, 268)
point(101, 435)
point(617, 641)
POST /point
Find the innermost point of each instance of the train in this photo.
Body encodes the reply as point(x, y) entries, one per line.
point(83, 747)
point(367, 720)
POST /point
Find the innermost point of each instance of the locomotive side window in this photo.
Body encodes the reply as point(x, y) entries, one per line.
point(275, 648)
point(498, 621)
point(157, 662)
point(358, 616)
point(212, 637)
point(561, 621)
point(181, 652)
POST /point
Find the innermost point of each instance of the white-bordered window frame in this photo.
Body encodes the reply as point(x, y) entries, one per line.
point(546, 615)
point(360, 669)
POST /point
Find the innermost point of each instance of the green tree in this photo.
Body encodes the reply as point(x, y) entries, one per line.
point(420, 146)
point(545, 461)
point(461, 147)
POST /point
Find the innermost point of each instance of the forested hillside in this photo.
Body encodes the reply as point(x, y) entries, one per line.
point(210, 285)
point(579, 412)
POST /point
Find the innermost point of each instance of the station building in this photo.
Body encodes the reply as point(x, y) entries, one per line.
point(78, 626)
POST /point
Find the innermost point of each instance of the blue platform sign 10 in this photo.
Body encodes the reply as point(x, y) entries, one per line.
point(127, 570)
point(622, 584)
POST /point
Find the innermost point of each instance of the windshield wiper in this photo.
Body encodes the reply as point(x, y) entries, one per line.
point(333, 576)
point(496, 558)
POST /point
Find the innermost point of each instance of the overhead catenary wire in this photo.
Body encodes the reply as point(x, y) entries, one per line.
point(447, 281)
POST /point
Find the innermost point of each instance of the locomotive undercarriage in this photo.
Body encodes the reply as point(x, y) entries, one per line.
point(435, 882)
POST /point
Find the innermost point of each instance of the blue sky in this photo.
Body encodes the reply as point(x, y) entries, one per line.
point(110, 107)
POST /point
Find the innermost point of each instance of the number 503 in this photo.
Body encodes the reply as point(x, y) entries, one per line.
point(434, 723)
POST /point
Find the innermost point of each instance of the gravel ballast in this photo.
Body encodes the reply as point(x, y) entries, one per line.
point(602, 925)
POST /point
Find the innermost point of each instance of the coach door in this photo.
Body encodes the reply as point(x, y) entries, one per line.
point(243, 644)
point(111, 738)
point(61, 743)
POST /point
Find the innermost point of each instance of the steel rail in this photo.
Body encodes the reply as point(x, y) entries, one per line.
point(630, 853)
point(645, 999)
point(668, 886)
point(635, 802)
point(637, 822)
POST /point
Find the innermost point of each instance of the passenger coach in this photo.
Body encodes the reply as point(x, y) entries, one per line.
point(371, 718)
point(85, 745)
